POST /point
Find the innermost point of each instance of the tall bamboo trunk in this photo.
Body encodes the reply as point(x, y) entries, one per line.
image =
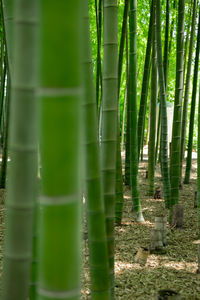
point(164, 139)
point(23, 153)
point(99, 30)
point(198, 165)
point(166, 48)
point(187, 88)
point(192, 112)
point(145, 85)
point(8, 11)
point(176, 131)
point(153, 106)
point(127, 143)
point(60, 144)
point(137, 211)
point(122, 42)
point(109, 122)
point(119, 180)
point(99, 266)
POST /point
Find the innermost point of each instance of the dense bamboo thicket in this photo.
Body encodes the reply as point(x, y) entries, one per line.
point(94, 104)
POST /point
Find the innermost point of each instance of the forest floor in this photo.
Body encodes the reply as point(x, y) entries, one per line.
point(176, 269)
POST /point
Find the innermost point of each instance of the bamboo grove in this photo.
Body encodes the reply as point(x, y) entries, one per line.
point(86, 88)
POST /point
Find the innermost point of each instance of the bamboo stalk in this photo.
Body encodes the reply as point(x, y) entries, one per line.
point(137, 211)
point(59, 96)
point(109, 122)
point(153, 106)
point(176, 130)
point(192, 112)
point(145, 85)
point(23, 154)
point(187, 88)
point(98, 253)
point(164, 139)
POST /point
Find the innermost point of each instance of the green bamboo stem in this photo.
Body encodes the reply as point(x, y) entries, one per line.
point(187, 38)
point(176, 130)
point(164, 139)
point(59, 96)
point(7, 28)
point(187, 88)
point(153, 106)
point(127, 145)
point(145, 85)
point(137, 211)
point(7, 7)
point(172, 29)
point(158, 136)
point(5, 129)
point(99, 265)
point(34, 264)
point(192, 112)
point(2, 93)
point(23, 155)
point(198, 164)
point(119, 181)
point(109, 122)
point(99, 30)
point(166, 47)
point(122, 42)
point(123, 119)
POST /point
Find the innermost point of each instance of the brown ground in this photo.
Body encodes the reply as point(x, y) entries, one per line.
point(174, 270)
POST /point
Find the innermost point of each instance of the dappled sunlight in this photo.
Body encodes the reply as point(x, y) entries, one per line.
point(120, 266)
point(85, 292)
point(186, 266)
point(151, 200)
point(148, 223)
point(148, 208)
point(153, 262)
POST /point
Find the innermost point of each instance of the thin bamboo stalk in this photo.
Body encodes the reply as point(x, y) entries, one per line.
point(187, 88)
point(164, 139)
point(153, 106)
point(176, 130)
point(137, 211)
point(145, 85)
point(109, 122)
point(198, 165)
point(98, 253)
point(192, 112)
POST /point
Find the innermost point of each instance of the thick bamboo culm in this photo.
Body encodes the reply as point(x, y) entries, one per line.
point(21, 193)
point(60, 96)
